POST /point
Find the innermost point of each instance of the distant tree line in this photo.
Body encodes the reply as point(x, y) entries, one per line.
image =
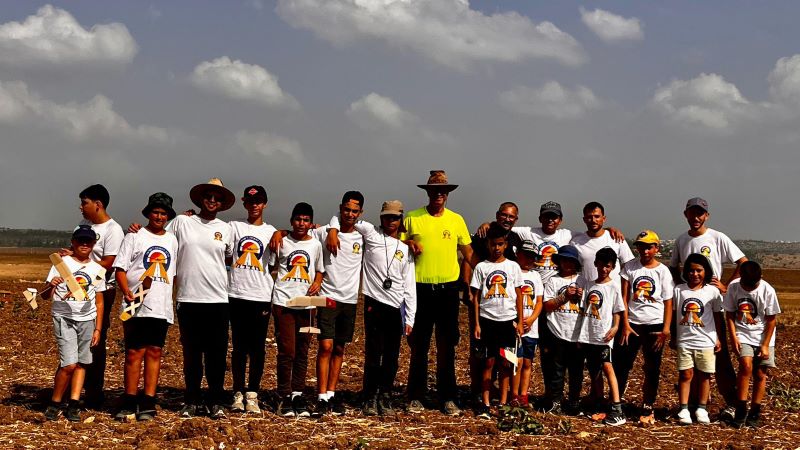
point(33, 238)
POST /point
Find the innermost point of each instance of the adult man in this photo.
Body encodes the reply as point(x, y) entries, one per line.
point(596, 237)
point(435, 234)
point(94, 201)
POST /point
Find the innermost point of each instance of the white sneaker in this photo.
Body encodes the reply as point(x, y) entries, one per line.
point(702, 416)
point(238, 402)
point(251, 404)
point(684, 417)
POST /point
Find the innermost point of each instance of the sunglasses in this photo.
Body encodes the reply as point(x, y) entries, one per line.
point(392, 217)
point(213, 197)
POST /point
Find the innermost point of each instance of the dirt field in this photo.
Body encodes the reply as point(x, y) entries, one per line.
point(28, 358)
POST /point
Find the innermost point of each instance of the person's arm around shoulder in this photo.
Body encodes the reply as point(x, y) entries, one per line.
point(276, 241)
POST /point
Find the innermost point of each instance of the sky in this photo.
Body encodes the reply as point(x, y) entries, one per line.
point(637, 105)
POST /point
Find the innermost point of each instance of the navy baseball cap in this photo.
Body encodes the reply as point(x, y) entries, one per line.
point(568, 251)
point(84, 233)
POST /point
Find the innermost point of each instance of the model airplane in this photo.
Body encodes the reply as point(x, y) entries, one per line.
point(317, 301)
point(138, 301)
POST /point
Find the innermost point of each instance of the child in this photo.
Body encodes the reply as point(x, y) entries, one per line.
point(750, 308)
point(532, 291)
point(300, 271)
point(602, 308)
point(497, 302)
point(146, 259)
point(698, 308)
point(562, 295)
point(647, 290)
point(76, 324)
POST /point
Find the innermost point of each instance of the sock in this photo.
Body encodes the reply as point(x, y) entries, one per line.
point(755, 409)
point(73, 403)
point(684, 406)
point(330, 394)
point(147, 403)
point(616, 407)
point(321, 397)
point(296, 394)
point(701, 406)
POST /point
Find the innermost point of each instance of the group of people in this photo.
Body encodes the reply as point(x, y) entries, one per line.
point(582, 298)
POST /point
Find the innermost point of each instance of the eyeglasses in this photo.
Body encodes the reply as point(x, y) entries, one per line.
point(392, 217)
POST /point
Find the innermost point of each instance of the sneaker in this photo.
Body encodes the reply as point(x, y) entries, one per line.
point(202, 410)
point(415, 407)
point(523, 400)
point(188, 411)
point(238, 402)
point(684, 417)
point(615, 419)
point(727, 414)
point(483, 412)
point(555, 409)
point(217, 412)
point(701, 415)
point(647, 417)
point(337, 405)
point(285, 407)
point(251, 403)
point(146, 409)
point(739, 418)
point(451, 409)
point(321, 408)
point(370, 407)
point(144, 416)
point(73, 414)
point(515, 401)
point(385, 406)
point(125, 414)
point(573, 408)
point(300, 406)
point(52, 412)
point(753, 421)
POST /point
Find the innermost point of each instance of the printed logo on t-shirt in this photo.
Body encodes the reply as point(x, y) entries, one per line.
point(83, 281)
point(705, 251)
point(297, 266)
point(569, 307)
point(691, 310)
point(746, 311)
point(156, 261)
point(546, 251)
point(594, 302)
point(643, 288)
point(496, 285)
point(446, 234)
point(218, 236)
point(249, 250)
point(398, 255)
point(528, 295)
point(356, 248)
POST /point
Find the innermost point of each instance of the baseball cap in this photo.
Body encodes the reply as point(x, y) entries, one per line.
point(550, 207)
point(392, 208)
point(567, 251)
point(530, 247)
point(647, 237)
point(697, 201)
point(256, 193)
point(84, 232)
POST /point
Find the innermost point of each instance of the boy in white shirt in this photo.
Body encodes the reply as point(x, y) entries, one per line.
point(497, 303)
point(300, 271)
point(602, 308)
point(249, 295)
point(146, 259)
point(751, 306)
point(698, 319)
point(76, 324)
point(647, 290)
point(532, 293)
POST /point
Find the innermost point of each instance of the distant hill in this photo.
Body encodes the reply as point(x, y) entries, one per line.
point(755, 250)
point(33, 238)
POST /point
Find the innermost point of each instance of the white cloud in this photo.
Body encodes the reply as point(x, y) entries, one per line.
point(80, 121)
point(610, 27)
point(53, 37)
point(271, 146)
point(707, 100)
point(446, 31)
point(551, 100)
point(376, 110)
point(784, 81)
point(241, 81)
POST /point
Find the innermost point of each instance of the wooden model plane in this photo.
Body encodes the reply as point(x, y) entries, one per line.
point(138, 301)
point(317, 301)
point(63, 271)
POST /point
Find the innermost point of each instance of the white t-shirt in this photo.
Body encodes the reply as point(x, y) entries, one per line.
point(145, 254)
point(600, 302)
point(202, 248)
point(648, 288)
point(343, 271)
point(588, 247)
point(532, 289)
point(694, 313)
point(249, 277)
point(497, 283)
point(548, 245)
point(298, 263)
point(109, 239)
point(751, 307)
point(564, 322)
point(88, 275)
point(712, 244)
point(382, 252)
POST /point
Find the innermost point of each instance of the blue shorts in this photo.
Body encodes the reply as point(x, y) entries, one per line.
point(527, 347)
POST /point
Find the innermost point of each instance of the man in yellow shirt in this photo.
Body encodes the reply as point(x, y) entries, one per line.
point(435, 235)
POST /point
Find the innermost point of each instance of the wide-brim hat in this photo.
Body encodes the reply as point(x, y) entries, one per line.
point(215, 184)
point(567, 251)
point(438, 180)
point(159, 200)
point(392, 208)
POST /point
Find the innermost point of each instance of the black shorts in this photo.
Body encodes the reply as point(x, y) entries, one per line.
point(494, 336)
point(596, 356)
point(337, 323)
point(143, 332)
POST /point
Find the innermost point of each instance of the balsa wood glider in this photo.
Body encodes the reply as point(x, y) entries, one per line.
point(77, 291)
point(138, 300)
point(317, 301)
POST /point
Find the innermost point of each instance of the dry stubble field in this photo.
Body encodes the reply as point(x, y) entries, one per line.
point(28, 358)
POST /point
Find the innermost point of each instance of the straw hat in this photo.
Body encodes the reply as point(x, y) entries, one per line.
point(215, 184)
point(438, 180)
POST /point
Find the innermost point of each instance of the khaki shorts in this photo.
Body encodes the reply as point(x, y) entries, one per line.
point(703, 360)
